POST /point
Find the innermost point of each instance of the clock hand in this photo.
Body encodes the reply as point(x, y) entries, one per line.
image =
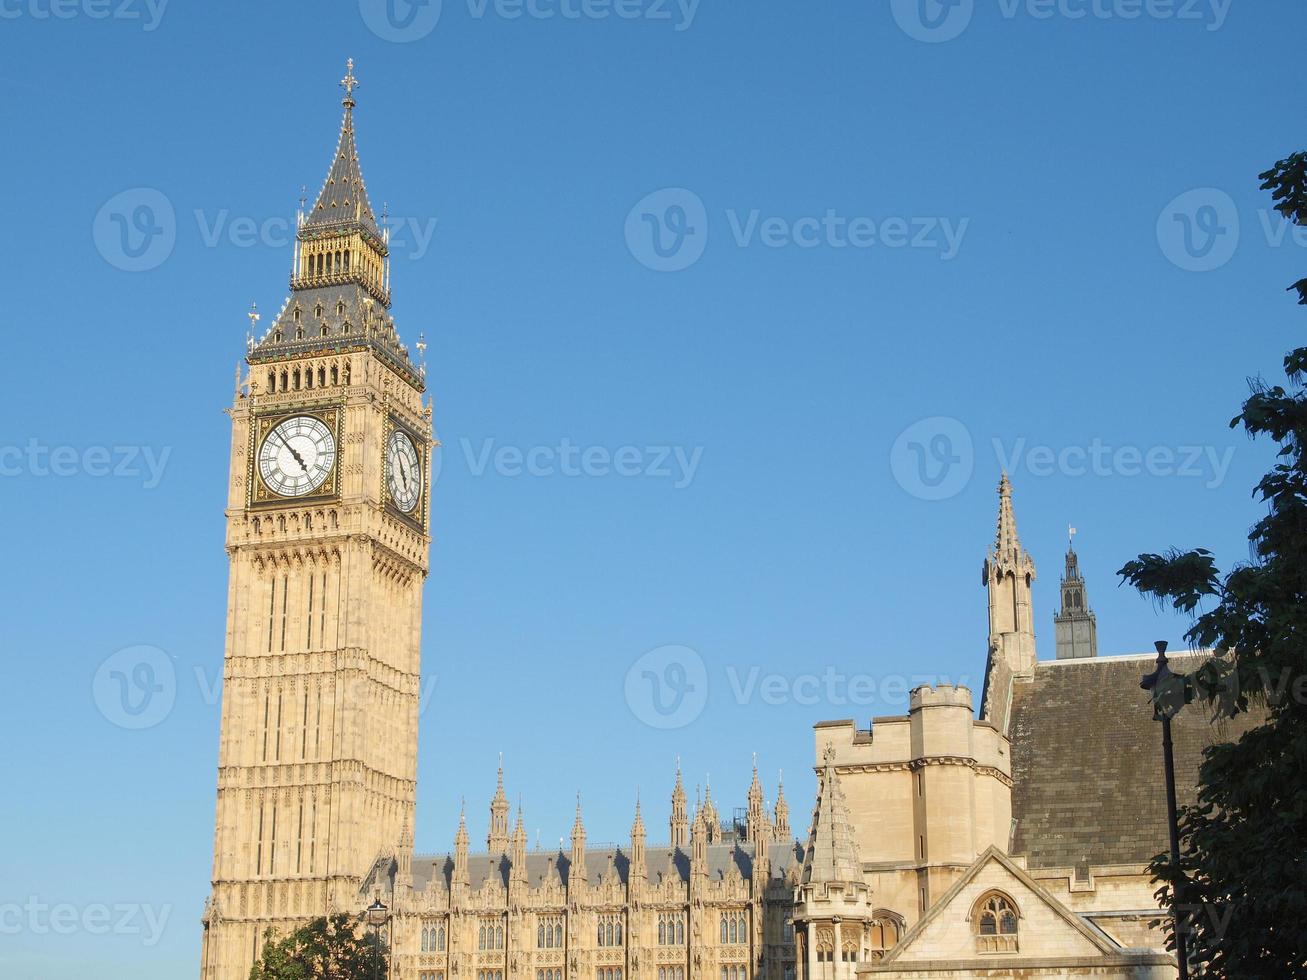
point(403, 471)
point(298, 458)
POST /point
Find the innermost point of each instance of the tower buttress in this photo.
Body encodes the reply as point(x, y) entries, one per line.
point(1075, 626)
point(1007, 575)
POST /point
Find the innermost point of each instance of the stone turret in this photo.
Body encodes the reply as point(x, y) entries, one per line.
point(639, 865)
point(679, 823)
point(756, 815)
point(517, 854)
point(832, 904)
point(710, 814)
point(782, 811)
point(461, 873)
point(577, 873)
point(497, 839)
point(699, 847)
point(1008, 573)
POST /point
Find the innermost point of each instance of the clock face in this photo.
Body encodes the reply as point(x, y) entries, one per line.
point(297, 456)
point(403, 471)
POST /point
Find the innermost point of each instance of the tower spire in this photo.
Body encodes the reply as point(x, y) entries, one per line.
point(1007, 574)
point(1075, 626)
point(340, 267)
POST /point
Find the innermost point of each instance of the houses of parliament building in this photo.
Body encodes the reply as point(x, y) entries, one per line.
point(1004, 838)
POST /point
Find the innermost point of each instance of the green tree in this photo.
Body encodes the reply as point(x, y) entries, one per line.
point(329, 948)
point(1241, 885)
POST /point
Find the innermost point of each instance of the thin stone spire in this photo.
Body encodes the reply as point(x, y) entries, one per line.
point(576, 874)
point(782, 810)
point(679, 824)
point(1006, 540)
point(497, 839)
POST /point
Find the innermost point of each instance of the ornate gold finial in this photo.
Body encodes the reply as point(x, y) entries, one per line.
point(349, 83)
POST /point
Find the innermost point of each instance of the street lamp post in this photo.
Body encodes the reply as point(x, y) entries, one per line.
point(1167, 702)
point(376, 914)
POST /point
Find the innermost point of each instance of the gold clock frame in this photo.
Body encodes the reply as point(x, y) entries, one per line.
point(260, 494)
point(418, 515)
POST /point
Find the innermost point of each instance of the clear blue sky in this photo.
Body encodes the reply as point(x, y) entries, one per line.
point(791, 374)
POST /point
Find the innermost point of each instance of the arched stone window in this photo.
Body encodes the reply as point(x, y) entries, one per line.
point(995, 921)
point(884, 932)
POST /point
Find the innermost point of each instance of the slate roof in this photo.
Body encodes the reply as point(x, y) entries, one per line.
point(349, 318)
point(1087, 761)
point(660, 861)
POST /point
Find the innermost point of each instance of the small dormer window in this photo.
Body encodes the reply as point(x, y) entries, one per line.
point(296, 314)
point(317, 311)
point(340, 308)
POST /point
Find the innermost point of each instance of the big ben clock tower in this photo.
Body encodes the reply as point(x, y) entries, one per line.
point(327, 532)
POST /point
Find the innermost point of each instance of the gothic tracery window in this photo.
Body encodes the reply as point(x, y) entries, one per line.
point(995, 920)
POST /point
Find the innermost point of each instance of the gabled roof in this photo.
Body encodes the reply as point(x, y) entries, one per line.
point(1060, 935)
